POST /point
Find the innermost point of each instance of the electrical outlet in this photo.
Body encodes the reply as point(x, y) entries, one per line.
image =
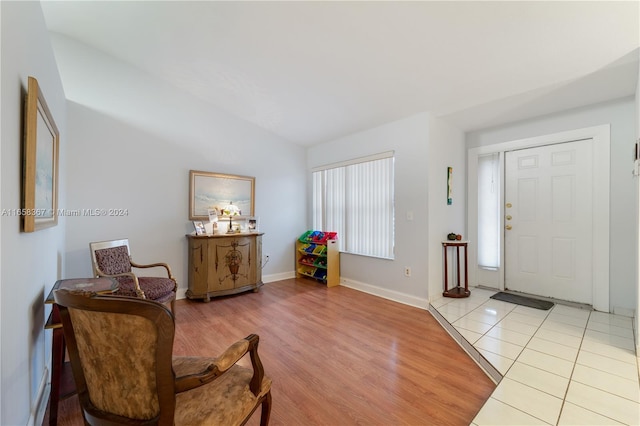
point(407, 271)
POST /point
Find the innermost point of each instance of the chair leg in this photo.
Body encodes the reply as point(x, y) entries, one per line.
point(173, 306)
point(266, 410)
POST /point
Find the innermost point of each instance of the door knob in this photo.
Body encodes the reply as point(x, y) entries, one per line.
point(508, 227)
point(509, 205)
point(508, 217)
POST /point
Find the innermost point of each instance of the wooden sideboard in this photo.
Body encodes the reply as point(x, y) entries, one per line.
point(223, 264)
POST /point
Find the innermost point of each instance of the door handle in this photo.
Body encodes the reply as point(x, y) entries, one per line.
point(509, 205)
point(508, 227)
point(508, 217)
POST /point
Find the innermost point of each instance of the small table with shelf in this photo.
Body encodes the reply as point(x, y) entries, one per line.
point(457, 291)
point(62, 384)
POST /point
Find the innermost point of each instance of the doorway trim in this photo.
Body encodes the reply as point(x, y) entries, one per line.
point(601, 177)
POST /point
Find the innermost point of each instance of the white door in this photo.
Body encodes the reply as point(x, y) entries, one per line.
point(548, 221)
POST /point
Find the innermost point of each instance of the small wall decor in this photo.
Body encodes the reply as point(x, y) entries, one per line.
point(449, 185)
point(215, 190)
point(40, 169)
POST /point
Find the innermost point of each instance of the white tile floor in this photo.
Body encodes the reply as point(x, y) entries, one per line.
point(564, 366)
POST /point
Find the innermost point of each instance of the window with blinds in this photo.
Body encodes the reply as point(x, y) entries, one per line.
point(489, 211)
point(355, 199)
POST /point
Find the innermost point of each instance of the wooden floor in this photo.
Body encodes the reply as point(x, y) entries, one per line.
point(336, 356)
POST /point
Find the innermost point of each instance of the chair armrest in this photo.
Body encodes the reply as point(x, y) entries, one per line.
point(258, 369)
point(153, 265)
point(131, 275)
point(217, 366)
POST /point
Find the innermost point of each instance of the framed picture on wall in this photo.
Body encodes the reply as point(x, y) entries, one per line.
point(40, 168)
point(209, 191)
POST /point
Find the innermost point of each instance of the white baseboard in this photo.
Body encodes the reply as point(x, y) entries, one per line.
point(278, 277)
point(181, 293)
point(38, 411)
point(396, 296)
point(625, 312)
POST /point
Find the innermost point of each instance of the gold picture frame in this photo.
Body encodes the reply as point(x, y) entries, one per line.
point(40, 167)
point(208, 190)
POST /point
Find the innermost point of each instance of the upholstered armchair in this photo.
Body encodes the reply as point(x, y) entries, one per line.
point(120, 350)
point(113, 259)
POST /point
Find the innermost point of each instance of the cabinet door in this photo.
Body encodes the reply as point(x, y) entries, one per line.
point(198, 268)
point(232, 260)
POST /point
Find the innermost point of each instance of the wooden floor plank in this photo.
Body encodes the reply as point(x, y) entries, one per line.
point(336, 356)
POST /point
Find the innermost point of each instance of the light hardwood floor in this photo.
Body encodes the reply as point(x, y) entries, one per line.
point(337, 356)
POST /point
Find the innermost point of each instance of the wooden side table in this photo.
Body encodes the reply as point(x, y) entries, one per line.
point(456, 291)
point(62, 384)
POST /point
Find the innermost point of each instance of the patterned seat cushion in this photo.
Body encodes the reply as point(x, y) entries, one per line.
point(225, 401)
point(116, 260)
point(154, 288)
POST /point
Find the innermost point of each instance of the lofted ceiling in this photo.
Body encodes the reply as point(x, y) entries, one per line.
point(314, 71)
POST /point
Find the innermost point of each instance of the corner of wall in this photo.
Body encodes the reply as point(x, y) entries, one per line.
point(446, 149)
point(26, 51)
point(637, 310)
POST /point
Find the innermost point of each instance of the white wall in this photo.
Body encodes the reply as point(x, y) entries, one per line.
point(620, 115)
point(31, 263)
point(637, 116)
point(446, 148)
point(133, 140)
point(127, 141)
point(423, 148)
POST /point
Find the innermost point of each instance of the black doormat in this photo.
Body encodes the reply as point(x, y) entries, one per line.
point(522, 300)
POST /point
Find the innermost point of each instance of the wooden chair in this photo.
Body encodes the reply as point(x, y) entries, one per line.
point(113, 259)
point(120, 350)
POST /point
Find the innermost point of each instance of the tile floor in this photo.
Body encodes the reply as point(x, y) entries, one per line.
point(564, 366)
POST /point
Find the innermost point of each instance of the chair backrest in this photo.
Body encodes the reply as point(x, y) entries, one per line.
point(120, 350)
point(112, 257)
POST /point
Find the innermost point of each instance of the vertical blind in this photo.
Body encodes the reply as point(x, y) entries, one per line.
point(355, 199)
point(489, 211)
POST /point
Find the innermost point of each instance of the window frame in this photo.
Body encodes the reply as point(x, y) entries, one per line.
point(352, 200)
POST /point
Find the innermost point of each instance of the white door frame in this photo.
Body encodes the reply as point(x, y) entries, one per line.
point(601, 204)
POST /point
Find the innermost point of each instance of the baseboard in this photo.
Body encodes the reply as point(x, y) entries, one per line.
point(278, 277)
point(42, 399)
point(396, 296)
point(181, 293)
point(625, 312)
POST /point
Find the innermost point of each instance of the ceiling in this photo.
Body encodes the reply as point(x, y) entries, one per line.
point(314, 71)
